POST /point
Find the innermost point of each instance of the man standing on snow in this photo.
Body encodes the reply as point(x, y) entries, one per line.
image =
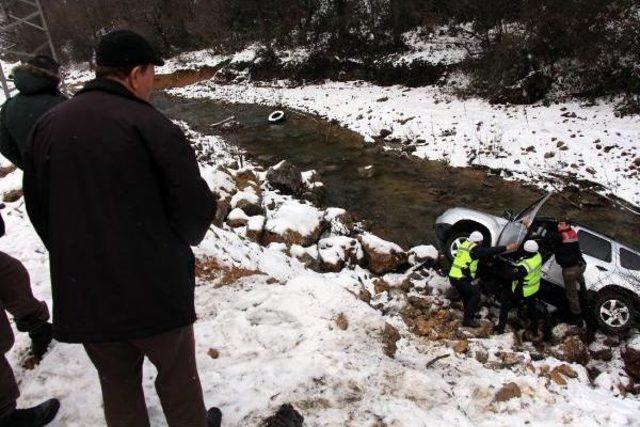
point(462, 275)
point(113, 189)
point(37, 82)
point(566, 249)
point(30, 316)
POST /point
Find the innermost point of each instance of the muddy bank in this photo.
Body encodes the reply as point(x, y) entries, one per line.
point(398, 195)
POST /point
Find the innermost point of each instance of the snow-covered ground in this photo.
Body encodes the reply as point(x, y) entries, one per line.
point(533, 142)
point(278, 342)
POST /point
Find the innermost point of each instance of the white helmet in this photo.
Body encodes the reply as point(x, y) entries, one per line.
point(476, 237)
point(531, 246)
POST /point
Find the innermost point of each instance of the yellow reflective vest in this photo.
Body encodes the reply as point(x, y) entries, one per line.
point(531, 282)
point(463, 265)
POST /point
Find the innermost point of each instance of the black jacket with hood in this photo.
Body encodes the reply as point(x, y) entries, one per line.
point(38, 93)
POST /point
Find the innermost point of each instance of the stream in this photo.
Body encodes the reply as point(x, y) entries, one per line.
point(399, 196)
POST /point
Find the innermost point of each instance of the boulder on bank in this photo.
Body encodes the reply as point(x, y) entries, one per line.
point(255, 228)
point(340, 221)
point(294, 223)
point(248, 201)
point(237, 218)
point(422, 254)
point(286, 177)
point(313, 189)
point(308, 256)
point(338, 252)
point(381, 256)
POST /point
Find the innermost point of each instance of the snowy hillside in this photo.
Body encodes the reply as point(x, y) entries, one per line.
point(344, 348)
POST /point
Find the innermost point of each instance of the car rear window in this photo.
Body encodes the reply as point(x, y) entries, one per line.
point(629, 259)
point(594, 246)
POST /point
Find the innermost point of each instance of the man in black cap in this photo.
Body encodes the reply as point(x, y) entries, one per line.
point(113, 189)
point(37, 82)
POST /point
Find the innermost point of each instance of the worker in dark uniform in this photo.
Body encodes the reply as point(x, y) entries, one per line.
point(566, 249)
point(462, 275)
point(524, 283)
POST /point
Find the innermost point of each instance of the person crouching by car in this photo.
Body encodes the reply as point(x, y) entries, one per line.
point(462, 274)
point(524, 277)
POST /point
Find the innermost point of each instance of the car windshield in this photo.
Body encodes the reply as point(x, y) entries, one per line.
point(530, 210)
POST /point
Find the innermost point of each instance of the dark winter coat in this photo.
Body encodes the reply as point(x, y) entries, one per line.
point(38, 93)
point(567, 252)
point(113, 189)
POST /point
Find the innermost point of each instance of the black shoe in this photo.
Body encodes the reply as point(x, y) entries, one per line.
point(37, 416)
point(470, 324)
point(214, 417)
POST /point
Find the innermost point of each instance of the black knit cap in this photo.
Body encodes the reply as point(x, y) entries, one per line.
point(45, 63)
point(124, 48)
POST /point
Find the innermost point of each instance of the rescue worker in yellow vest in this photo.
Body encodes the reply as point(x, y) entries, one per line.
point(462, 275)
point(525, 279)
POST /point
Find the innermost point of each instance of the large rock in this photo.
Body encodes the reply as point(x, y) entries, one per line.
point(339, 252)
point(381, 256)
point(340, 221)
point(255, 228)
point(286, 177)
point(308, 256)
point(423, 254)
point(223, 208)
point(573, 350)
point(313, 189)
point(248, 201)
point(237, 218)
point(294, 223)
point(286, 416)
point(507, 392)
point(245, 178)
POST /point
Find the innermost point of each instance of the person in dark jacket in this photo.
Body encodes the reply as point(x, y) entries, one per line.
point(113, 189)
point(566, 249)
point(30, 316)
point(37, 82)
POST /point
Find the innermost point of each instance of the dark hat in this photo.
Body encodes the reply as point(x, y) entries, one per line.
point(123, 48)
point(45, 63)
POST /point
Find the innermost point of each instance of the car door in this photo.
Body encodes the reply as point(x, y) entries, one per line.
point(597, 252)
point(515, 230)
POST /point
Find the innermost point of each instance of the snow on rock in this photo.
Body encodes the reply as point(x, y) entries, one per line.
point(294, 223)
point(248, 201)
point(237, 218)
point(381, 256)
point(286, 177)
point(255, 228)
point(308, 256)
point(422, 253)
point(339, 252)
point(340, 221)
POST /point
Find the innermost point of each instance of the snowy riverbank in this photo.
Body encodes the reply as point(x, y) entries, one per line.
point(273, 325)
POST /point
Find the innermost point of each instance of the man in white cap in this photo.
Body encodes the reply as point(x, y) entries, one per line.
point(525, 276)
point(462, 274)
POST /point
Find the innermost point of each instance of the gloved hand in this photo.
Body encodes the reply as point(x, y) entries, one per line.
point(40, 339)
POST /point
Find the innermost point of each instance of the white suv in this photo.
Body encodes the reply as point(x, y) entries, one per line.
point(612, 276)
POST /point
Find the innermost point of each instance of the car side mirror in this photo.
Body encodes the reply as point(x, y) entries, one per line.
point(508, 214)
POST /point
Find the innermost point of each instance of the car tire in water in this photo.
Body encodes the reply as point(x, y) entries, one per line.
point(613, 311)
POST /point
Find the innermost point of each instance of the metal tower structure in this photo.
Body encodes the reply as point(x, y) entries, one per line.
point(32, 17)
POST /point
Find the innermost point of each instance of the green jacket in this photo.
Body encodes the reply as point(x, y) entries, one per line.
point(38, 93)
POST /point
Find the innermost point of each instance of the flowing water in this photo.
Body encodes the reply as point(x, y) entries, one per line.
point(398, 196)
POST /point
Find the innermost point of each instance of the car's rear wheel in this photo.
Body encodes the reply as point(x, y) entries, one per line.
point(613, 312)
